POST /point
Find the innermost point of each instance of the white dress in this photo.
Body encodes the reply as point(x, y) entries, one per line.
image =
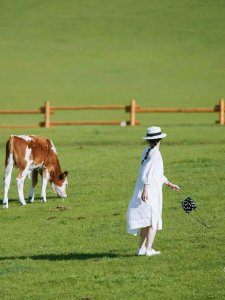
point(142, 214)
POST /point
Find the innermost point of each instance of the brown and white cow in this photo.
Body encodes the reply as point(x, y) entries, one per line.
point(33, 154)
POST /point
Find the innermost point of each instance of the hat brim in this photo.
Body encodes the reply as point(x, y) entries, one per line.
point(160, 136)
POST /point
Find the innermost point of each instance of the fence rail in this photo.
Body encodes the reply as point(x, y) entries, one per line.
point(176, 110)
point(219, 108)
point(126, 108)
point(133, 109)
point(89, 107)
point(21, 112)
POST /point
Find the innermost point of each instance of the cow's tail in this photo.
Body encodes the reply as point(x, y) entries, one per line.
point(9, 163)
point(9, 150)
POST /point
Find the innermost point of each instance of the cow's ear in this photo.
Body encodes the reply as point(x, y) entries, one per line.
point(63, 175)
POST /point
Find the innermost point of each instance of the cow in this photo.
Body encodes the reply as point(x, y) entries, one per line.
point(32, 155)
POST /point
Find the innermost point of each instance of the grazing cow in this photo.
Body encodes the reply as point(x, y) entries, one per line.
point(33, 154)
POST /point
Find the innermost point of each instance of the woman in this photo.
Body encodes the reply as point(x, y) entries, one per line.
point(144, 214)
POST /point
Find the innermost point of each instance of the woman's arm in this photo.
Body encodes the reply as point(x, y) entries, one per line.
point(144, 195)
point(173, 186)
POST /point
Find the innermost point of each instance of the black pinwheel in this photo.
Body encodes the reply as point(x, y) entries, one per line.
point(188, 206)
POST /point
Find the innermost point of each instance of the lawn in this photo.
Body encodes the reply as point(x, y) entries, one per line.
point(78, 247)
point(92, 52)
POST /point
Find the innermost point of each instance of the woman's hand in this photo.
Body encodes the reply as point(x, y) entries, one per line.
point(173, 186)
point(144, 195)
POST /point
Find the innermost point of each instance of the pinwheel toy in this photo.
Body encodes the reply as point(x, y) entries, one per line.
point(188, 206)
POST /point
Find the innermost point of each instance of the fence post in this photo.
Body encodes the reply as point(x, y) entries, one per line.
point(132, 112)
point(47, 114)
point(221, 111)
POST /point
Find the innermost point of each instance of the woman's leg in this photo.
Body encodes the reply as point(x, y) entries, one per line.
point(143, 236)
point(149, 242)
point(150, 237)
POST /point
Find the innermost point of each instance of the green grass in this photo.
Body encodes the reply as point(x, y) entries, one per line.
point(84, 251)
point(91, 52)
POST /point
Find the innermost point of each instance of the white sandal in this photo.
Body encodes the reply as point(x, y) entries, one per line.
point(150, 252)
point(141, 251)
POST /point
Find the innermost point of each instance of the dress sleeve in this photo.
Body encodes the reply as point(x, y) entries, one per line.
point(164, 179)
point(147, 174)
point(154, 166)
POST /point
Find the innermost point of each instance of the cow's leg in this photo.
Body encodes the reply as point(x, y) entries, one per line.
point(34, 181)
point(45, 178)
point(7, 180)
point(20, 183)
point(23, 174)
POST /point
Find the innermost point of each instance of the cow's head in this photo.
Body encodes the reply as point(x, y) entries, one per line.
point(59, 186)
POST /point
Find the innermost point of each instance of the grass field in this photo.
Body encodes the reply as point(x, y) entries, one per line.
point(90, 52)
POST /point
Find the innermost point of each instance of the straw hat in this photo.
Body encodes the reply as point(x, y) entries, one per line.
point(154, 133)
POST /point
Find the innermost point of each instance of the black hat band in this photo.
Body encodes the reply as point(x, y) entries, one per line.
point(153, 134)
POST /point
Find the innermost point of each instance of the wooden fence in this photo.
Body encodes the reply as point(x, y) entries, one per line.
point(133, 109)
point(126, 108)
point(219, 108)
point(40, 110)
point(48, 110)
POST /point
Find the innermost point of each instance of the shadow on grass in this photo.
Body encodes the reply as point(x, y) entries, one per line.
point(69, 256)
point(37, 199)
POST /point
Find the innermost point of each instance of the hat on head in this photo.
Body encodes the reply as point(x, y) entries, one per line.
point(154, 133)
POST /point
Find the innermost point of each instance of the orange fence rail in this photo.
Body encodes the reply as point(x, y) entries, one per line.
point(217, 108)
point(40, 110)
point(132, 109)
point(48, 110)
point(127, 108)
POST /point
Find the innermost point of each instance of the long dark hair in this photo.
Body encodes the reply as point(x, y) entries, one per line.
point(152, 144)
